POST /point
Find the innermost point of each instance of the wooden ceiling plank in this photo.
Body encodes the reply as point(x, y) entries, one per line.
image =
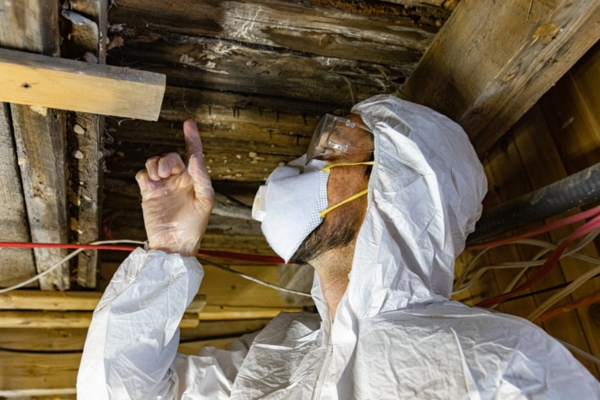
point(375, 32)
point(17, 264)
point(493, 60)
point(78, 86)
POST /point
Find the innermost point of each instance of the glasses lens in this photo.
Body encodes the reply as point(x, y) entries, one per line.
point(315, 147)
point(331, 138)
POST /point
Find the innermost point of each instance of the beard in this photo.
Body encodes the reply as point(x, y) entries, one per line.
point(338, 230)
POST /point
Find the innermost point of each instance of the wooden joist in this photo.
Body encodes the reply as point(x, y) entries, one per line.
point(78, 86)
point(493, 60)
point(67, 301)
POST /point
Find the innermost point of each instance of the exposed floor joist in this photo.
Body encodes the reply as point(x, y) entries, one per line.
point(493, 60)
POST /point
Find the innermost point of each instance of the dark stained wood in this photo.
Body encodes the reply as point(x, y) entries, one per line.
point(17, 264)
point(374, 32)
point(494, 59)
point(219, 64)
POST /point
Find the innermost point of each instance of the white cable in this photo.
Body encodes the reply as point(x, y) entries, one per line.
point(564, 292)
point(253, 279)
point(73, 254)
point(582, 353)
point(67, 258)
point(527, 264)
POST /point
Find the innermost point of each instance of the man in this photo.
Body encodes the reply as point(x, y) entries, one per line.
point(380, 206)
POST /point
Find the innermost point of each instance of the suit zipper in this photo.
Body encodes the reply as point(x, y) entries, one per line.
point(324, 367)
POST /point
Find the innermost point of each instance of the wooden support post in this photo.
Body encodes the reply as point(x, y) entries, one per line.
point(85, 134)
point(17, 264)
point(493, 60)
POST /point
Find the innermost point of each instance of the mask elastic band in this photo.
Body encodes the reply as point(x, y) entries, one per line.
point(356, 196)
point(347, 164)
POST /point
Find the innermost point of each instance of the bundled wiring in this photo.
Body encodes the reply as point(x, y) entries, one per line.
point(564, 292)
point(461, 286)
point(548, 264)
point(109, 245)
point(584, 301)
point(546, 228)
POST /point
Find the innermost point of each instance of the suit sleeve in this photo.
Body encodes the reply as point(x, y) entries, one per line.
point(131, 346)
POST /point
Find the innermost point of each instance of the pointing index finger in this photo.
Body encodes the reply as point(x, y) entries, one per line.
point(192, 139)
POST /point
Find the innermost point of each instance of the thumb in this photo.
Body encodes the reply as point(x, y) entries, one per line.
point(202, 183)
point(193, 143)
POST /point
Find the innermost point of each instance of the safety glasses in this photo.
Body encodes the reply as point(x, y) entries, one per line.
point(331, 138)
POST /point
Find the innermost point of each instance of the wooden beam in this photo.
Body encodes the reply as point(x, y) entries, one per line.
point(67, 319)
point(78, 86)
point(493, 60)
point(41, 146)
point(369, 31)
point(17, 264)
point(66, 301)
point(224, 313)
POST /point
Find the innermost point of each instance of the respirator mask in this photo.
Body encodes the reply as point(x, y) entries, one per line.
point(293, 202)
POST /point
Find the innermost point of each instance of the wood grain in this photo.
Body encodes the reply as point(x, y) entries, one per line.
point(17, 264)
point(41, 147)
point(77, 86)
point(376, 32)
point(493, 60)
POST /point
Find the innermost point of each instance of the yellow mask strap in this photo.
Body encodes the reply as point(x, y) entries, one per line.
point(356, 196)
point(346, 164)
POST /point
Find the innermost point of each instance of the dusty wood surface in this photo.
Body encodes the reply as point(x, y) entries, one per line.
point(17, 264)
point(78, 86)
point(375, 32)
point(493, 60)
point(41, 147)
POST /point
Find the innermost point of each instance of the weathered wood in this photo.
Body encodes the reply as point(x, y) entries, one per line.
point(375, 32)
point(493, 60)
point(66, 301)
point(17, 264)
point(218, 64)
point(78, 86)
point(41, 147)
point(67, 319)
point(30, 25)
point(85, 132)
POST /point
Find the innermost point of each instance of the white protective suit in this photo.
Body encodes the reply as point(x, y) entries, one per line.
point(396, 334)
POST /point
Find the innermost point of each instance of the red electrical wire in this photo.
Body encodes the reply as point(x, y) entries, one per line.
point(206, 253)
point(546, 228)
point(547, 266)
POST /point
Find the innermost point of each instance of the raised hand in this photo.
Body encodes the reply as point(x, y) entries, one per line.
point(177, 200)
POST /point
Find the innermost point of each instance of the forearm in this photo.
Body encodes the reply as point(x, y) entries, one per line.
point(134, 335)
